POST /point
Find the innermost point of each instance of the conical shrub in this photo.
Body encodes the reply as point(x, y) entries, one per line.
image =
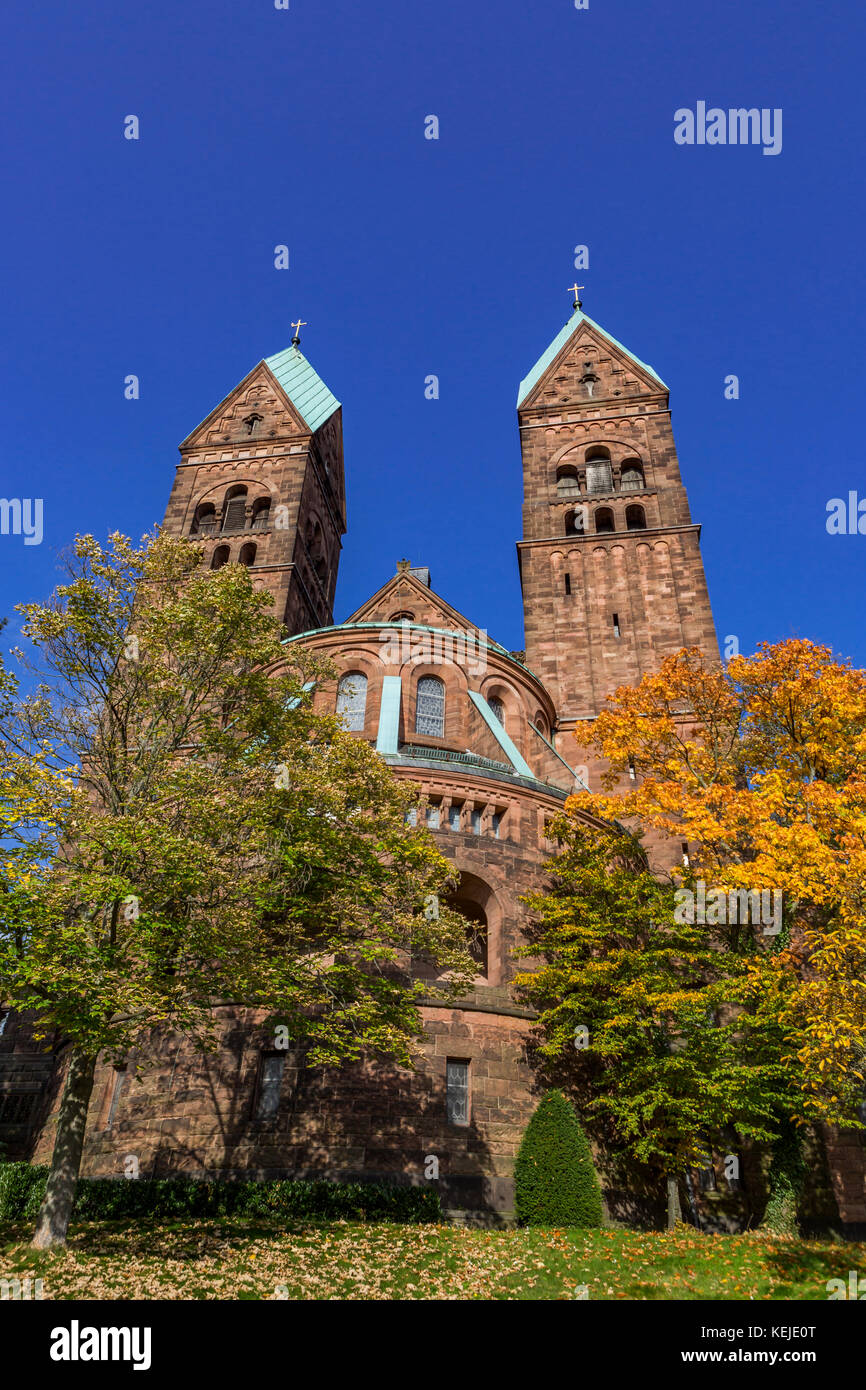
point(554, 1177)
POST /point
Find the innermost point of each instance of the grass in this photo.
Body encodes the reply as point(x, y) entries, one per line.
point(233, 1259)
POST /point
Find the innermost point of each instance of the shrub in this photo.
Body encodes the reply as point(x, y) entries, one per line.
point(22, 1186)
point(555, 1180)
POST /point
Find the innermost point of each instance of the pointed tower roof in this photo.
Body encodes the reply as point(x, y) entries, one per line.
point(559, 342)
point(303, 386)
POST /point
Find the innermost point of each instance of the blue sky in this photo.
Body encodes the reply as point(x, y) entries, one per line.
point(410, 257)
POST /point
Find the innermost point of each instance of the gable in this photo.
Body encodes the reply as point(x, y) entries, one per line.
point(583, 365)
point(405, 594)
point(255, 411)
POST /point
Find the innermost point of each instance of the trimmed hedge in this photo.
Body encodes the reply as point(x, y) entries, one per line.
point(22, 1186)
point(555, 1182)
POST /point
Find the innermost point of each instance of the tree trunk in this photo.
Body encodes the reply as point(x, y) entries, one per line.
point(53, 1220)
point(675, 1213)
point(785, 1180)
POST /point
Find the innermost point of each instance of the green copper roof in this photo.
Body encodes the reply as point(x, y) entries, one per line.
point(303, 386)
point(562, 337)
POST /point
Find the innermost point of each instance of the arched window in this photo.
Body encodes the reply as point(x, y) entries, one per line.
point(220, 557)
point(604, 520)
point(430, 707)
point(261, 513)
point(631, 477)
point(204, 521)
point(402, 618)
point(352, 699)
point(497, 708)
point(598, 477)
point(598, 474)
point(248, 554)
point(635, 518)
point(574, 523)
point(235, 513)
point(567, 484)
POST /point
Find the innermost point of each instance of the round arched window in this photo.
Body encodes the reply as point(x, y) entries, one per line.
point(352, 699)
point(430, 707)
point(631, 478)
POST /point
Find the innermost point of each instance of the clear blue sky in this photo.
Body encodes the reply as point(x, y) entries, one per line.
point(409, 257)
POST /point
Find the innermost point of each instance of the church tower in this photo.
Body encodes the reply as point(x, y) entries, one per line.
point(610, 563)
point(260, 482)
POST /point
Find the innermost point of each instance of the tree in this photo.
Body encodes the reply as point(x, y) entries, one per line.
point(637, 1010)
point(555, 1183)
point(760, 767)
point(214, 837)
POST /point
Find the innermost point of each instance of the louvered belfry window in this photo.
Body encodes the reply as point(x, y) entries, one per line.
point(352, 699)
point(632, 478)
point(235, 513)
point(598, 476)
point(430, 707)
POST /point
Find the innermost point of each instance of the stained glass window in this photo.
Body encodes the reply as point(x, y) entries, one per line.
point(352, 699)
point(457, 1092)
point(430, 707)
point(270, 1083)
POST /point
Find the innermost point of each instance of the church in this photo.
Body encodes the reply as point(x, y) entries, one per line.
point(612, 582)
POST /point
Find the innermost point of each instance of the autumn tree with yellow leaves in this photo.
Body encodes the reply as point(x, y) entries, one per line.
point(759, 766)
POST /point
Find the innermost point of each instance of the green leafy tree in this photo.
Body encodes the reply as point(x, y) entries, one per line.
point(202, 834)
point(555, 1182)
point(642, 1015)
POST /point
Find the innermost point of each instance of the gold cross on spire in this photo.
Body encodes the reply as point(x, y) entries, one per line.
point(301, 323)
point(576, 289)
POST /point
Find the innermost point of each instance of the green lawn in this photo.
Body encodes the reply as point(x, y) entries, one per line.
point(255, 1260)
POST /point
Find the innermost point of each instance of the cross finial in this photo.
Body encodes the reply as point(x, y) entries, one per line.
point(298, 325)
point(576, 289)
